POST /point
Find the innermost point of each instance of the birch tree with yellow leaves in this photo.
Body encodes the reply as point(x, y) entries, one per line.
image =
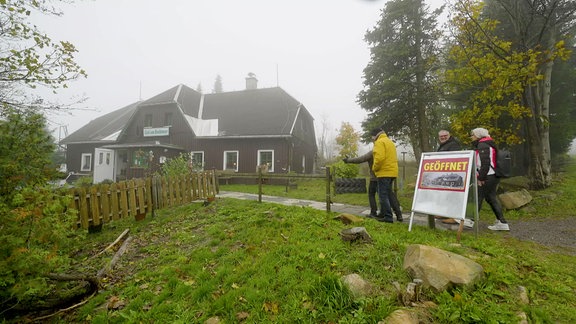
point(507, 77)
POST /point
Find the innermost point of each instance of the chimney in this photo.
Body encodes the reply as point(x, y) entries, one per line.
point(251, 81)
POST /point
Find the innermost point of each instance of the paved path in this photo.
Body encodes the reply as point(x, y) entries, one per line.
point(419, 219)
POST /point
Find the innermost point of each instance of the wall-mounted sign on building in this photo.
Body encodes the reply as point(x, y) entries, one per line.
point(160, 131)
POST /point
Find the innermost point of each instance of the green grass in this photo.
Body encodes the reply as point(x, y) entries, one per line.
point(280, 264)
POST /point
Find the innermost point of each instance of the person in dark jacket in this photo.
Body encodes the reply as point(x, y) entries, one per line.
point(447, 142)
point(485, 158)
point(373, 187)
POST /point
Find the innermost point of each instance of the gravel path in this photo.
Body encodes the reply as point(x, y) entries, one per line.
point(557, 234)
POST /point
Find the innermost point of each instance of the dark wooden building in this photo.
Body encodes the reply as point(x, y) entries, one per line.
point(235, 131)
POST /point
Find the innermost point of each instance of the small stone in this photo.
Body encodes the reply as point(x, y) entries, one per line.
point(523, 295)
point(213, 320)
point(401, 316)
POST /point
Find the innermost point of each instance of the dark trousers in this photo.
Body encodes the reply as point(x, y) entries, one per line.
point(488, 192)
point(372, 192)
point(384, 194)
point(394, 203)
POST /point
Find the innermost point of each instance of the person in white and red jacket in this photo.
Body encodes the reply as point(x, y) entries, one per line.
point(485, 159)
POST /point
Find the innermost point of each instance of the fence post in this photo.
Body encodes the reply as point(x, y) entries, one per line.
point(83, 208)
point(153, 191)
point(216, 189)
point(105, 202)
point(94, 205)
point(259, 184)
point(114, 201)
point(328, 189)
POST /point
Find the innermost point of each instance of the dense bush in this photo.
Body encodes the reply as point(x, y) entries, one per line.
point(345, 170)
point(36, 229)
point(26, 148)
point(35, 224)
point(176, 166)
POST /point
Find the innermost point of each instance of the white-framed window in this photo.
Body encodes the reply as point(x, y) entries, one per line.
point(266, 157)
point(86, 162)
point(231, 160)
point(197, 160)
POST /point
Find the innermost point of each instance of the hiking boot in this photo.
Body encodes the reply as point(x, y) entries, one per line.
point(372, 215)
point(399, 219)
point(499, 226)
point(385, 219)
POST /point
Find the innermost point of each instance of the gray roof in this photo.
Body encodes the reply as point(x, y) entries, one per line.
point(102, 127)
point(257, 112)
point(269, 111)
point(187, 98)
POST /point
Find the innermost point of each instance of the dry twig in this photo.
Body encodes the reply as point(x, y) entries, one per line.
point(102, 272)
point(121, 237)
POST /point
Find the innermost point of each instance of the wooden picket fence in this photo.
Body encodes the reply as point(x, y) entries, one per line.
point(103, 203)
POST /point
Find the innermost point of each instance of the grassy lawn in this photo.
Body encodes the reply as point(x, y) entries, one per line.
point(251, 262)
point(315, 189)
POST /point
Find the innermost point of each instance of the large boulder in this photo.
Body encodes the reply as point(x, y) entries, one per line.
point(440, 269)
point(515, 199)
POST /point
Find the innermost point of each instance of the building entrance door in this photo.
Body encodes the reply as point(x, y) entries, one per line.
point(104, 165)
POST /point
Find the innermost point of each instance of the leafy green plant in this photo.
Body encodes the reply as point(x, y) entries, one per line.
point(36, 223)
point(345, 170)
point(36, 227)
point(85, 182)
point(25, 150)
point(176, 166)
point(330, 295)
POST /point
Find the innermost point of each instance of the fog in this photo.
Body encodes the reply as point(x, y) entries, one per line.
point(135, 49)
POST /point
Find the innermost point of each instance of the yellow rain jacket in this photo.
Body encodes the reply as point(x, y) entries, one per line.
point(385, 159)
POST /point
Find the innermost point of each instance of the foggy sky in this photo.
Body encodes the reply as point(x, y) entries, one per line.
point(135, 49)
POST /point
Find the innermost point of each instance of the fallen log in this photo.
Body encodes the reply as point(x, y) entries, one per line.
point(83, 292)
point(94, 282)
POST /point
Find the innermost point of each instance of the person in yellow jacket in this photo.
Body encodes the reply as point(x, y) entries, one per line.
point(385, 167)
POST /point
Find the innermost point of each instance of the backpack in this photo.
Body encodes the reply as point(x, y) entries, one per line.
point(503, 164)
